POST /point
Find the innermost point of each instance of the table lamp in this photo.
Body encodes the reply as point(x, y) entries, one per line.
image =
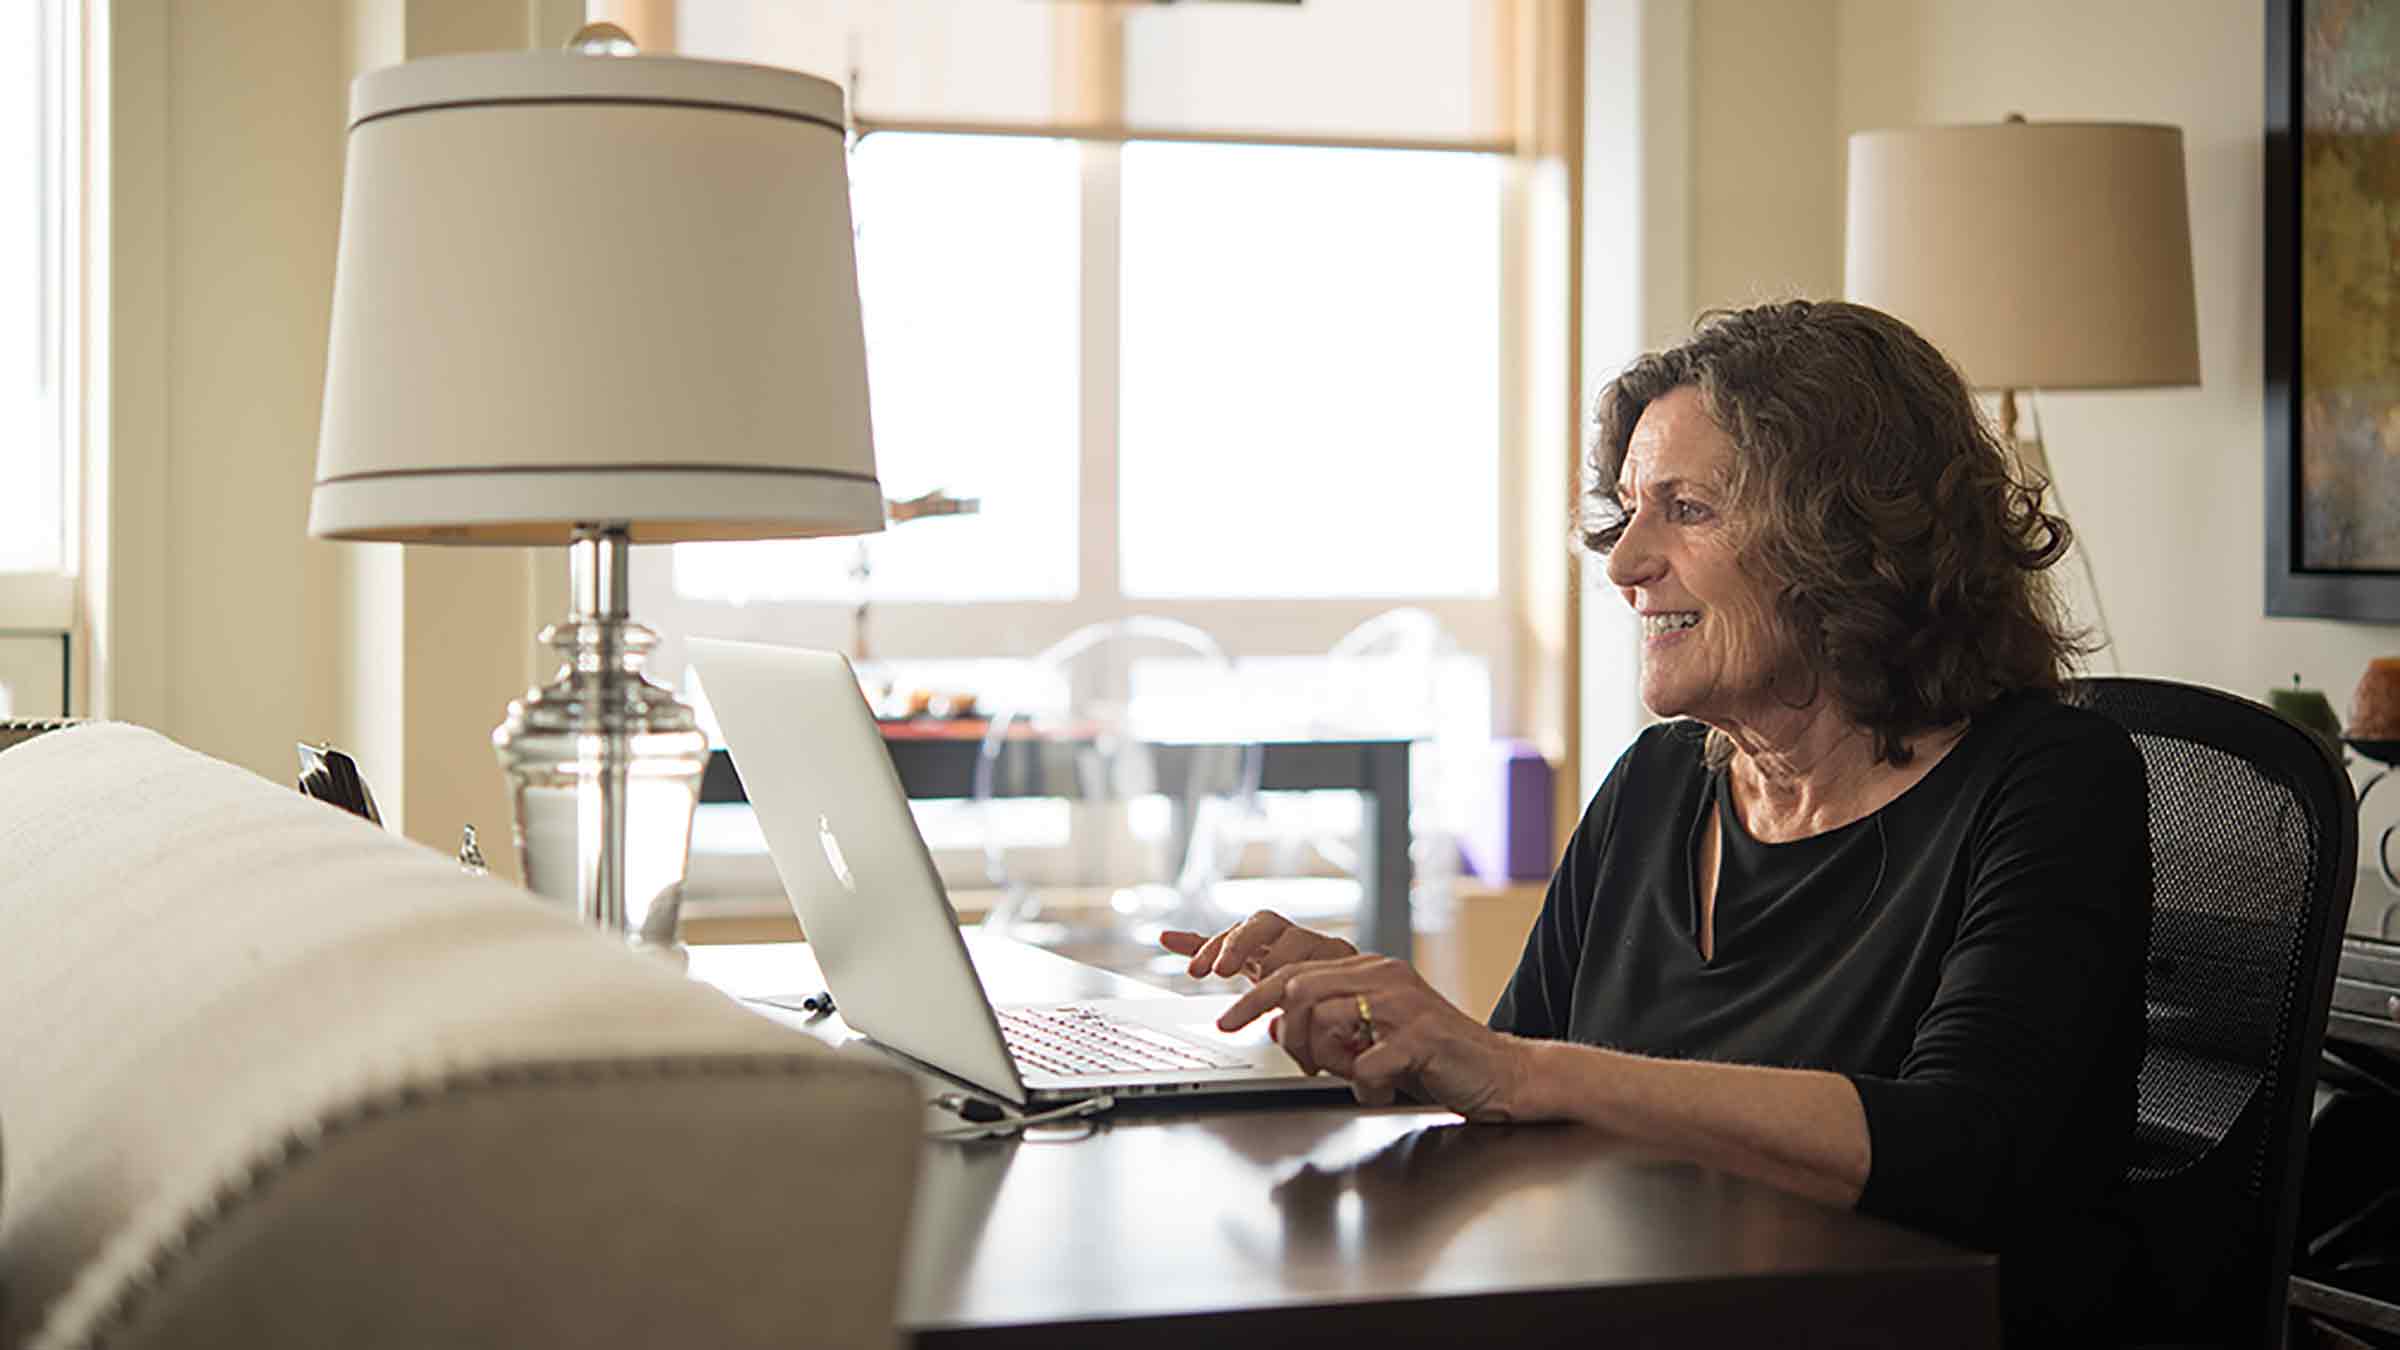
point(596, 299)
point(2035, 255)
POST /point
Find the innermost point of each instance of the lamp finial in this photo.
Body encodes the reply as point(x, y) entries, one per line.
point(602, 38)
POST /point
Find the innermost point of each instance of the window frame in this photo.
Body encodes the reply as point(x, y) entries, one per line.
point(1089, 98)
point(42, 603)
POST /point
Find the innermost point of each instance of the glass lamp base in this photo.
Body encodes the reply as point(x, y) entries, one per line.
point(557, 805)
point(604, 766)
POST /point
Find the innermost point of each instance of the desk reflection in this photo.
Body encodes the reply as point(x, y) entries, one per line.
point(1449, 1201)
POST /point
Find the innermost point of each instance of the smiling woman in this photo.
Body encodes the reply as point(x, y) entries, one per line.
point(1866, 918)
point(1908, 564)
point(1709, 639)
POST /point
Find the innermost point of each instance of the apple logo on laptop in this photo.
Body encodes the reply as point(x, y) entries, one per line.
point(833, 855)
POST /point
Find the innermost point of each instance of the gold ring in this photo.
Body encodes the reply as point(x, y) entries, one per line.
point(1366, 1023)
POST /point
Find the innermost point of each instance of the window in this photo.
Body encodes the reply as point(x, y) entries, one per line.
point(1309, 373)
point(40, 140)
point(1215, 321)
point(1249, 373)
point(1301, 347)
point(968, 276)
point(1322, 283)
point(34, 139)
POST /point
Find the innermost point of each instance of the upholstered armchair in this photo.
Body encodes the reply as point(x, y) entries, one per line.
point(270, 1076)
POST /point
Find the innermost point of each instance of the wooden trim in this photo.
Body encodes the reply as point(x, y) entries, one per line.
point(1563, 46)
point(1545, 61)
point(1087, 74)
point(1505, 22)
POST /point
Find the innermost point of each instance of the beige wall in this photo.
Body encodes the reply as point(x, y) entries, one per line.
point(225, 154)
point(208, 613)
point(2164, 485)
point(1767, 151)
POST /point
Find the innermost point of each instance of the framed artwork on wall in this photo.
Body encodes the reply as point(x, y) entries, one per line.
point(2332, 331)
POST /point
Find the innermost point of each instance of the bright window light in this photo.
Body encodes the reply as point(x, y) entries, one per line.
point(968, 261)
point(32, 263)
point(1310, 372)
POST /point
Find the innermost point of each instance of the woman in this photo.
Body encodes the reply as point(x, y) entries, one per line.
point(1867, 919)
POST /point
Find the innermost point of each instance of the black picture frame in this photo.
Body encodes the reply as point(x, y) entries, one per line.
point(2294, 590)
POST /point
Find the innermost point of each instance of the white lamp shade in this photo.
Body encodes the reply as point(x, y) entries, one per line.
point(2036, 255)
point(586, 289)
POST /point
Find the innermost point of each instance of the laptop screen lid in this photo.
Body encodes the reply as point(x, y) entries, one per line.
point(847, 850)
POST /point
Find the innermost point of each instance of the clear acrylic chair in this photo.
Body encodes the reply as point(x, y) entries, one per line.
point(1113, 793)
point(1396, 675)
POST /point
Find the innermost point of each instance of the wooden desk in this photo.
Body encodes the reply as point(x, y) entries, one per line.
point(1281, 1224)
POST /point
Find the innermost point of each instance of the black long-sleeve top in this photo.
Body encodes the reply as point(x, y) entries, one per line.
point(1969, 956)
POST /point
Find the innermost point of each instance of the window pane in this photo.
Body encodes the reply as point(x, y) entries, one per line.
point(968, 279)
point(31, 201)
point(1310, 372)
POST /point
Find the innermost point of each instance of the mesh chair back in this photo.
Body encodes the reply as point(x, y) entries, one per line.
point(2254, 836)
point(1118, 720)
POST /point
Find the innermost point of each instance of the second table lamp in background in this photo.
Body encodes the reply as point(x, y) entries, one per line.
point(596, 300)
point(2035, 255)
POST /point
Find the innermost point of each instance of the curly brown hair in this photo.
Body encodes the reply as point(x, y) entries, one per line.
point(1907, 552)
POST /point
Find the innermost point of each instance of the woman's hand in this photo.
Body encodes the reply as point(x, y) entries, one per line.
point(1257, 947)
point(1375, 1021)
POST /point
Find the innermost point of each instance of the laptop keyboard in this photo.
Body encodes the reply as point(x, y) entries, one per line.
point(1081, 1043)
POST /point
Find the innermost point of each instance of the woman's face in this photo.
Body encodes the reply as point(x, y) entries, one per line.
point(1708, 648)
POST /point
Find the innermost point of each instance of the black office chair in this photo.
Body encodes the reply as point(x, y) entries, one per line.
point(332, 777)
point(2254, 839)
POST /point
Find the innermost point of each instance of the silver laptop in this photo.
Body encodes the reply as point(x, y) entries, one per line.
point(864, 887)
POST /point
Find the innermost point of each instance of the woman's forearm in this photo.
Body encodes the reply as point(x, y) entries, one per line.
point(1802, 1130)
